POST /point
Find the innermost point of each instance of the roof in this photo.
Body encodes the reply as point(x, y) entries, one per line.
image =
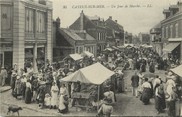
point(114, 25)
point(173, 7)
point(93, 17)
point(72, 34)
point(93, 74)
point(87, 36)
point(87, 23)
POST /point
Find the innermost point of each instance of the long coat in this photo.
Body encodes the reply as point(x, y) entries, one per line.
point(54, 94)
point(18, 88)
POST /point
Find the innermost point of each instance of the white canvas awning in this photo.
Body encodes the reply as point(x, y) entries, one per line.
point(87, 53)
point(94, 74)
point(177, 70)
point(170, 47)
point(76, 56)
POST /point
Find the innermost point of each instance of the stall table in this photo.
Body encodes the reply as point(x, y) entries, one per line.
point(82, 100)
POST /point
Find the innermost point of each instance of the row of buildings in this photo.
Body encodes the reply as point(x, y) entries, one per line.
point(29, 34)
point(167, 34)
point(87, 33)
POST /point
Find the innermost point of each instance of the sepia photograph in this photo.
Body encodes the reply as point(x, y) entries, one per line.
point(99, 58)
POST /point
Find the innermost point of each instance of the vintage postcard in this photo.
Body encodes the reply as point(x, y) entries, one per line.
point(90, 58)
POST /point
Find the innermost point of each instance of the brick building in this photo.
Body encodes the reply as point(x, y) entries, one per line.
point(115, 32)
point(25, 32)
point(94, 26)
point(67, 41)
point(172, 31)
point(155, 35)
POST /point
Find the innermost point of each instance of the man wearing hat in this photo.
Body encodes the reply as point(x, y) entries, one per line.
point(3, 75)
point(106, 108)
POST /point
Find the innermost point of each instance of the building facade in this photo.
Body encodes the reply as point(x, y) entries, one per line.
point(115, 32)
point(172, 31)
point(25, 32)
point(144, 38)
point(128, 38)
point(94, 26)
point(155, 35)
point(68, 41)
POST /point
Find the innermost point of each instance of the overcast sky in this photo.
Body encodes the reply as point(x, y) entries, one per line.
point(133, 19)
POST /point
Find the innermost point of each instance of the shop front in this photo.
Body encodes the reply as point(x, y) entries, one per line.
point(6, 55)
point(172, 51)
point(35, 55)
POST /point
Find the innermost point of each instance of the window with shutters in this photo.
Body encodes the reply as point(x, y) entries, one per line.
point(167, 32)
point(171, 31)
point(6, 15)
point(163, 35)
point(29, 20)
point(176, 28)
point(41, 22)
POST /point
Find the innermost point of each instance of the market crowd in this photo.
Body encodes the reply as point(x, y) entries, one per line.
point(46, 89)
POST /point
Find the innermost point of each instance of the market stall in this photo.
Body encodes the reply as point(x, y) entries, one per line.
point(93, 75)
point(72, 60)
point(178, 81)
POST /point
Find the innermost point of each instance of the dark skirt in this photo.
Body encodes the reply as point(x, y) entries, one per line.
point(146, 95)
point(160, 103)
point(28, 96)
point(171, 110)
point(151, 69)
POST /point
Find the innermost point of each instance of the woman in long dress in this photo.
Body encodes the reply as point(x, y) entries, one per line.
point(160, 103)
point(146, 94)
point(54, 94)
point(63, 104)
point(28, 92)
point(18, 88)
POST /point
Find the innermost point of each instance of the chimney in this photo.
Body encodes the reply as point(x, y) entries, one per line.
point(81, 20)
point(58, 22)
point(110, 17)
point(116, 21)
point(180, 5)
